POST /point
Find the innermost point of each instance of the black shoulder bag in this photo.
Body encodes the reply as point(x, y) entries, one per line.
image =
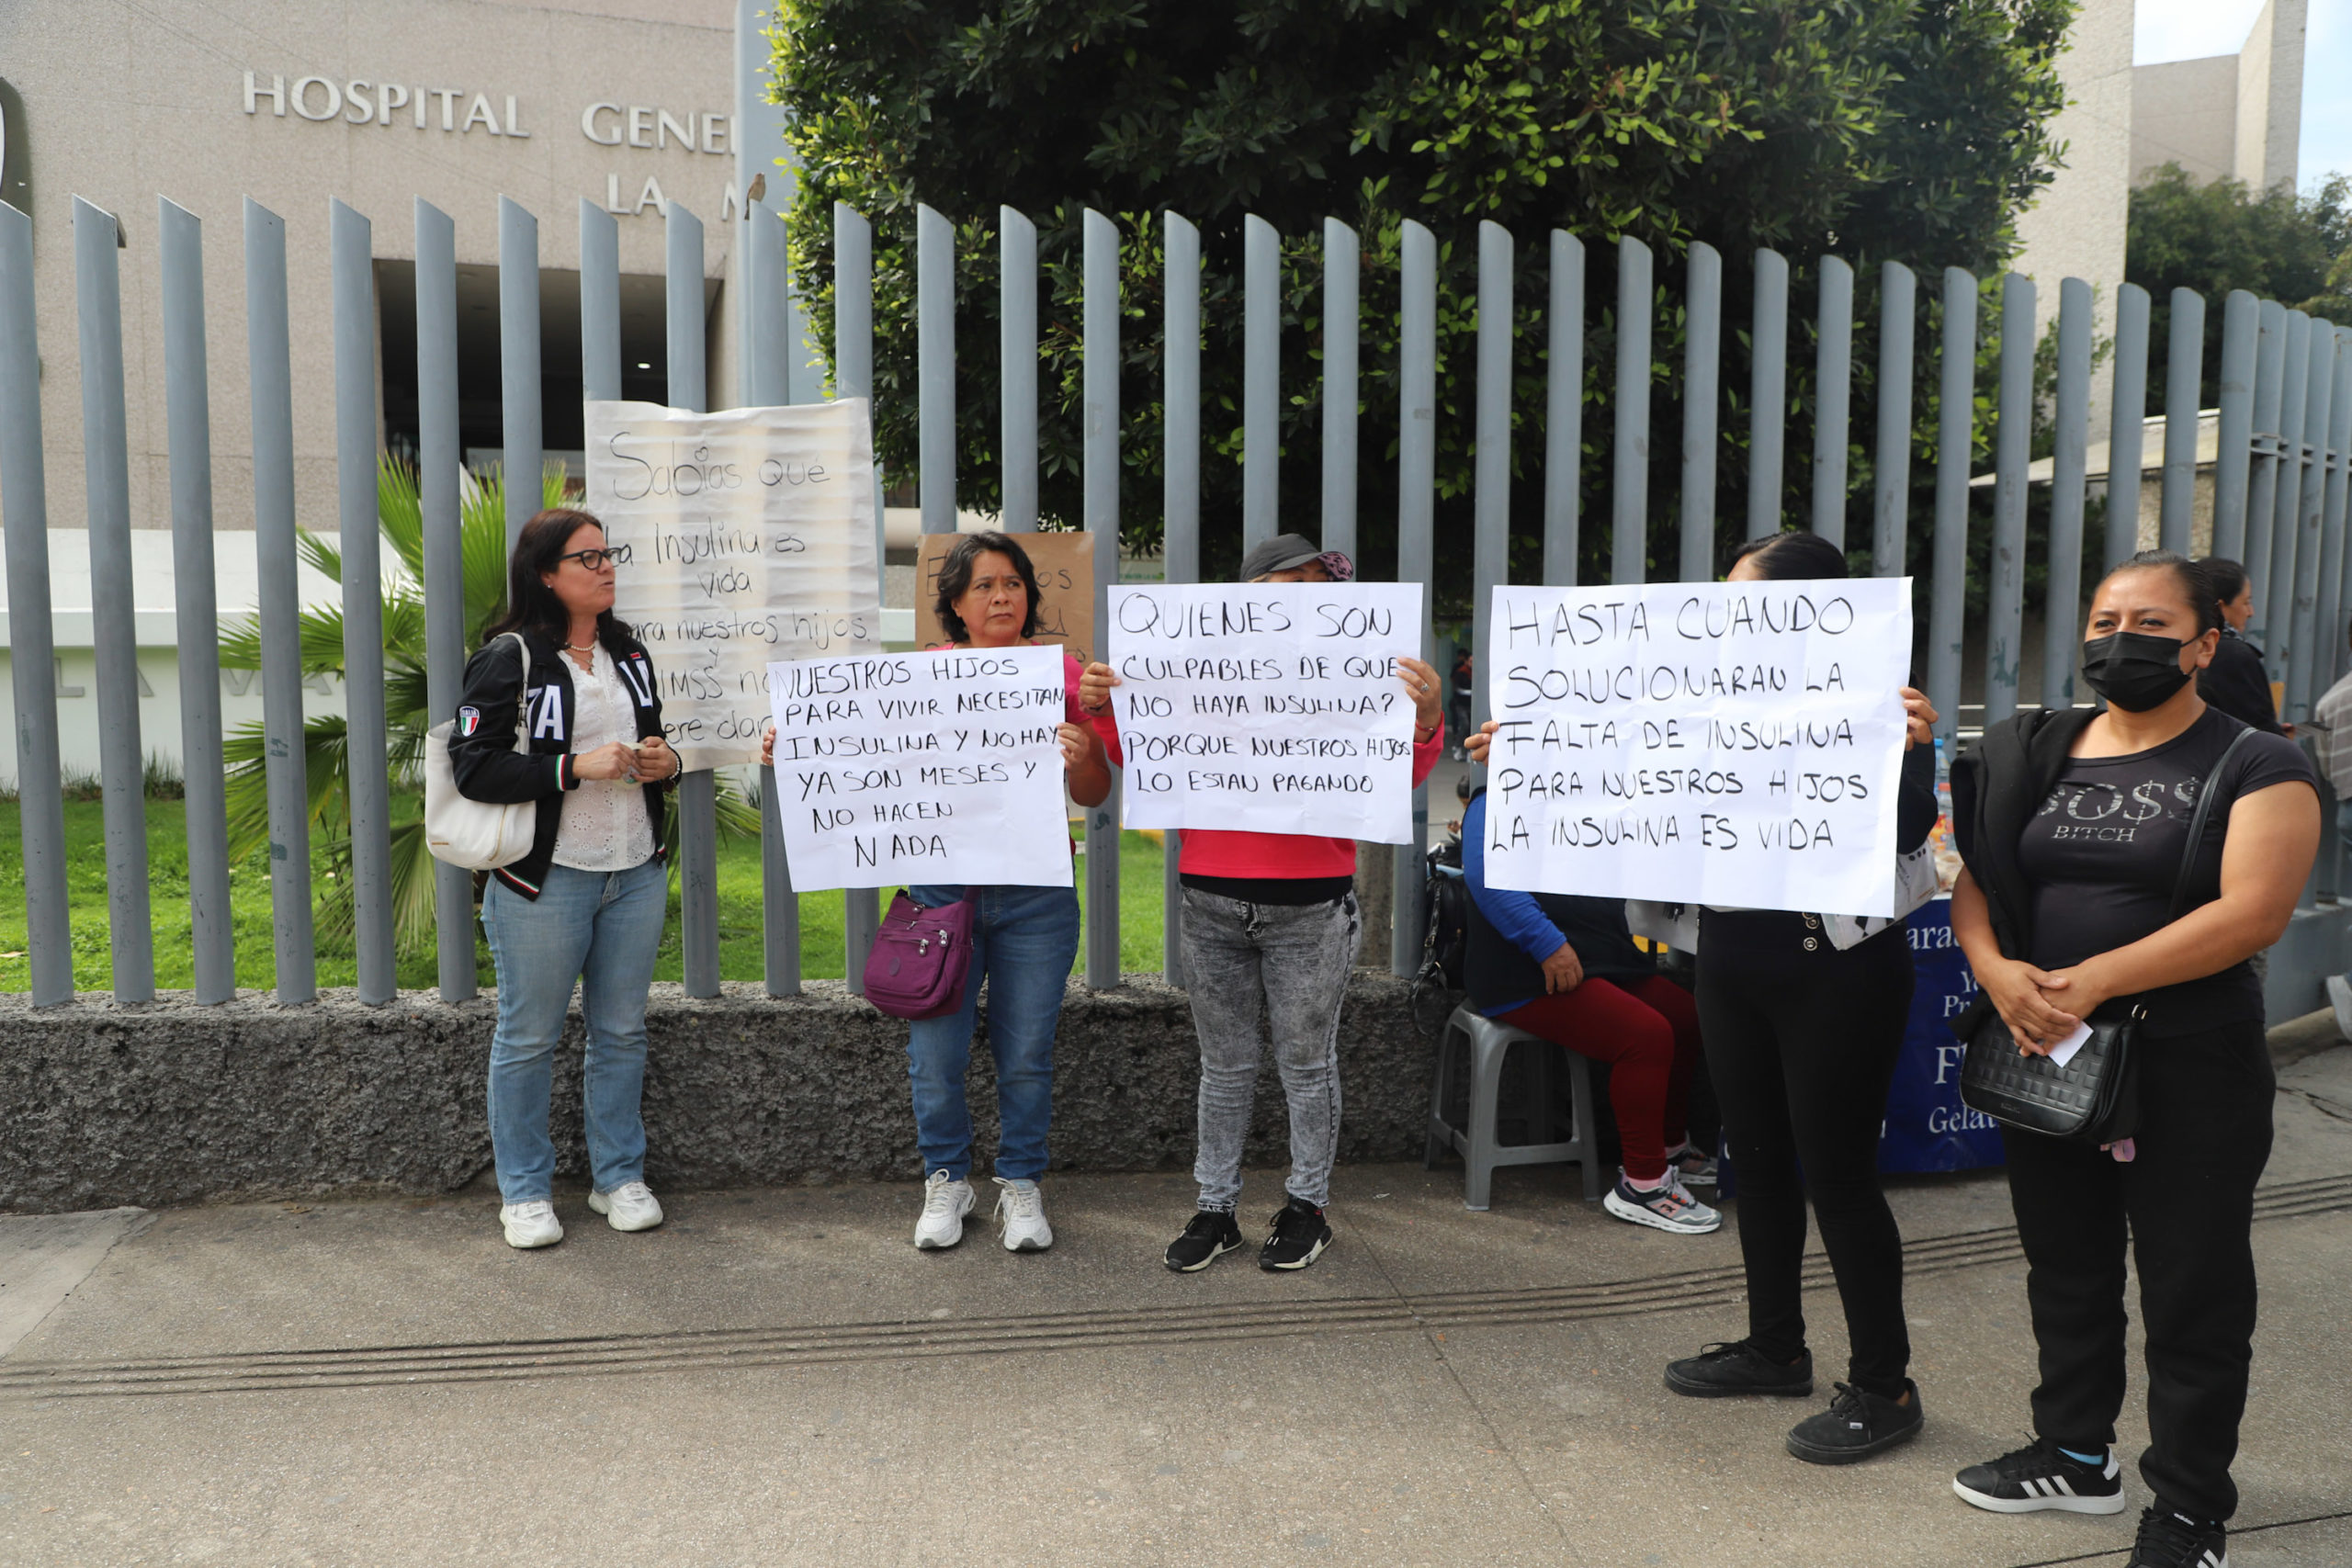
point(2093, 1099)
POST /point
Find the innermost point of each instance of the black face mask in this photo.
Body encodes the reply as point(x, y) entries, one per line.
point(2134, 671)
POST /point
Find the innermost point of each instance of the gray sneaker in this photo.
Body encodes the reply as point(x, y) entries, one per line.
point(2339, 997)
point(1670, 1208)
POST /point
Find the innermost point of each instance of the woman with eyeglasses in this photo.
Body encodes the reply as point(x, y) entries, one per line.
point(584, 906)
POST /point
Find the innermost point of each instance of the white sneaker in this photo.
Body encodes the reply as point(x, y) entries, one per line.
point(2339, 998)
point(945, 1201)
point(1667, 1208)
point(631, 1206)
point(1020, 1210)
point(530, 1225)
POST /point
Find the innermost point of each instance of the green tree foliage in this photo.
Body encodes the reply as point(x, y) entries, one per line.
point(1874, 130)
point(2222, 235)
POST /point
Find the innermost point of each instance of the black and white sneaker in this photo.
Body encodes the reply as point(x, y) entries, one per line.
point(2169, 1538)
point(1210, 1235)
point(2040, 1476)
point(1298, 1238)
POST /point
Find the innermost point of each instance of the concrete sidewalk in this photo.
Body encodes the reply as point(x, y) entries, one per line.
point(776, 1377)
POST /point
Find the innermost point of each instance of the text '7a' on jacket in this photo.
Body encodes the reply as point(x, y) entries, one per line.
point(481, 740)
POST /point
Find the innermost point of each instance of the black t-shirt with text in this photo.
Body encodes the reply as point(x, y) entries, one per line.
point(2103, 854)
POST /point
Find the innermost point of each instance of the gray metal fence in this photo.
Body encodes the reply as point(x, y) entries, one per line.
point(2279, 501)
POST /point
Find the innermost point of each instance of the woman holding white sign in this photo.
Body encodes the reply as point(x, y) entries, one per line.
point(1270, 926)
point(1024, 940)
point(584, 908)
point(2086, 900)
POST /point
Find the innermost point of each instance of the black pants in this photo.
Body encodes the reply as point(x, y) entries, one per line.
point(2187, 1202)
point(1802, 1041)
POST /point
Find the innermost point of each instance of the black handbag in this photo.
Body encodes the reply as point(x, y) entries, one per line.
point(2093, 1099)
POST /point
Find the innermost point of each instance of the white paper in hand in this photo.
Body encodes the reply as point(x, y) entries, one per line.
point(2064, 1052)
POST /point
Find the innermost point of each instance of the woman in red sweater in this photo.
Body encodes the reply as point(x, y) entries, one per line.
point(1269, 924)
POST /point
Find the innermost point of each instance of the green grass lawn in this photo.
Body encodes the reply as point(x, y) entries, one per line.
point(739, 912)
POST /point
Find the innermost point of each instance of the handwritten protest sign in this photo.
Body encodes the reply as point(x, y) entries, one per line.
point(1065, 566)
point(1730, 743)
point(920, 768)
point(1269, 707)
point(749, 537)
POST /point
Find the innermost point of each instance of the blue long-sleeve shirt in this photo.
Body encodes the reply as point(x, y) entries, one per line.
point(1537, 924)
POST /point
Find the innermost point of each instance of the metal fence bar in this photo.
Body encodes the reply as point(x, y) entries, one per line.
point(1101, 505)
point(269, 359)
point(32, 648)
point(351, 245)
point(2012, 449)
point(1262, 349)
point(2274, 588)
point(445, 571)
point(2062, 600)
point(1701, 392)
point(1767, 393)
point(106, 468)
point(2241, 315)
point(1563, 412)
point(853, 378)
point(600, 303)
point(2304, 648)
point(2184, 390)
point(768, 380)
point(188, 415)
point(1955, 453)
point(1833, 391)
point(1490, 503)
point(1416, 560)
point(1898, 307)
point(518, 364)
point(1179, 504)
point(697, 792)
point(1342, 274)
point(1629, 470)
point(2262, 488)
point(935, 368)
point(1017, 379)
point(2336, 599)
point(2127, 426)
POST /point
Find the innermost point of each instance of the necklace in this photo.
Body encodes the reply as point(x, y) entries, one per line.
point(578, 648)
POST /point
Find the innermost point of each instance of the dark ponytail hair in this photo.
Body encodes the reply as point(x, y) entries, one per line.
point(1796, 557)
point(531, 605)
point(2195, 579)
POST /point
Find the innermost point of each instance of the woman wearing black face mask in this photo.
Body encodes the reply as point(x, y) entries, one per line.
point(2073, 826)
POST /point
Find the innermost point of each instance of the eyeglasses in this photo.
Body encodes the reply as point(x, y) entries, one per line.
point(594, 559)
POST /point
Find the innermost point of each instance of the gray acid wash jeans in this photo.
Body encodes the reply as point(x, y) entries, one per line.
point(1290, 963)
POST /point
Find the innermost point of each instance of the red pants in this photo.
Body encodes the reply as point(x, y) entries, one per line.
point(1647, 1031)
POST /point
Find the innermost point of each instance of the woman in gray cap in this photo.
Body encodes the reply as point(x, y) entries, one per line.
point(1270, 925)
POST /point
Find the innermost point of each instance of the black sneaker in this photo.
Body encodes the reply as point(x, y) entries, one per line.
point(1857, 1425)
point(1718, 1372)
point(1298, 1236)
point(2038, 1476)
point(2172, 1539)
point(1211, 1234)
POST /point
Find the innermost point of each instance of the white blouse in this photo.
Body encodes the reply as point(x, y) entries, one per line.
point(605, 826)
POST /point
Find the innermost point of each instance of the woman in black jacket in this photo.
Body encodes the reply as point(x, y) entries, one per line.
point(2075, 826)
point(585, 906)
point(2235, 681)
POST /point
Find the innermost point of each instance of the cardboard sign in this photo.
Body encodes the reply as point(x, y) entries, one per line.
point(1065, 566)
point(1267, 707)
point(1729, 743)
point(910, 769)
point(751, 537)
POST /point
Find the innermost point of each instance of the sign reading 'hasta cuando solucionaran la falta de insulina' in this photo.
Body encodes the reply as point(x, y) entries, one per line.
point(1733, 743)
point(749, 537)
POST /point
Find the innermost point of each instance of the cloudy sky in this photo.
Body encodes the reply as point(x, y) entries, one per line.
point(2187, 30)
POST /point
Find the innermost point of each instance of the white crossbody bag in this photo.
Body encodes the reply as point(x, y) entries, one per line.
point(478, 834)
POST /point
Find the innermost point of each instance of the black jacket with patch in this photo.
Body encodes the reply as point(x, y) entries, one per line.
point(482, 741)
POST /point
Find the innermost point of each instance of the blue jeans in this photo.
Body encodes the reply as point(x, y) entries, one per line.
point(1023, 941)
point(599, 929)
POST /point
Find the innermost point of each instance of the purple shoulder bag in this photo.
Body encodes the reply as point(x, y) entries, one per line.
point(920, 958)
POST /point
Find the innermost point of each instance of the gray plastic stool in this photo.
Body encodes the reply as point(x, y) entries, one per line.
point(1484, 1043)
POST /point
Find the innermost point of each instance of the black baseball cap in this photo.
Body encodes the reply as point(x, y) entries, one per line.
point(1285, 551)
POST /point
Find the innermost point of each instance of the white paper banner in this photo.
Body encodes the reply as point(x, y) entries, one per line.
point(1266, 708)
point(751, 537)
point(905, 769)
point(1729, 743)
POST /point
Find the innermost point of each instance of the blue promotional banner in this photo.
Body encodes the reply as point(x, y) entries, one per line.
point(1926, 1127)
